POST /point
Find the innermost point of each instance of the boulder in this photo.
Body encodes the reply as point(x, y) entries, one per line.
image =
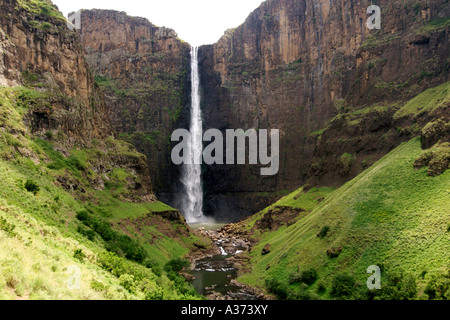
point(266, 249)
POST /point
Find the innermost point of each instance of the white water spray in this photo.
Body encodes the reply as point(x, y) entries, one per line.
point(192, 207)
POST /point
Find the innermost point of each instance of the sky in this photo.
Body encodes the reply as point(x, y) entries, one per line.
point(195, 21)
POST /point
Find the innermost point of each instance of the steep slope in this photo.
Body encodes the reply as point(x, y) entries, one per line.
point(72, 197)
point(319, 242)
point(143, 70)
point(354, 140)
point(294, 65)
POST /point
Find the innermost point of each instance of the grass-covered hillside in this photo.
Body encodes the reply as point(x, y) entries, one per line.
point(63, 208)
point(392, 215)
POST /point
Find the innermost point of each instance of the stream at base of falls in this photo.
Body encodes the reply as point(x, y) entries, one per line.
point(215, 276)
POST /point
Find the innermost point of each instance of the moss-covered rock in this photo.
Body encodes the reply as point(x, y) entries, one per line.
point(345, 162)
point(437, 159)
point(434, 131)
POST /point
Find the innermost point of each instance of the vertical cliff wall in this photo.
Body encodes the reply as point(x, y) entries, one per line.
point(38, 49)
point(294, 65)
point(65, 107)
point(143, 70)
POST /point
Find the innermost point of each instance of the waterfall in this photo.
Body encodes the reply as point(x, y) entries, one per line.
point(192, 207)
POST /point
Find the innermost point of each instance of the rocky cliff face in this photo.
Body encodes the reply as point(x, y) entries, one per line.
point(295, 65)
point(65, 106)
point(38, 49)
point(143, 71)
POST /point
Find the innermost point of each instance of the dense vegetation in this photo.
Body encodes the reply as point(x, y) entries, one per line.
point(70, 213)
point(391, 215)
point(46, 227)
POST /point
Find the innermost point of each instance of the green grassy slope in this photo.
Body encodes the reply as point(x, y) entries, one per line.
point(42, 230)
point(390, 215)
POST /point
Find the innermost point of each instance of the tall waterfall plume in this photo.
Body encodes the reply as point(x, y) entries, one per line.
point(192, 207)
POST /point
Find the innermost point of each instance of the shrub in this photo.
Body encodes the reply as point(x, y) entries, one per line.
point(46, 26)
point(139, 278)
point(276, 287)
point(116, 242)
point(322, 234)
point(345, 163)
point(88, 233)
point(32, 186)
point(321, 287)
point(155, 266)
point(102, 228)
point(75, 163)
point(57, 165)
point(295, 278)
point(300, 293)
point(129, 248)
point(309, 276)
point(83, 216)
point(118, 266)
point(176, 265)
point(155, 294)
point(30, 77)
point(97, 286)
point(79, 254)
point(438, 287)
point(342, 286)
point(128, 282)
point(8, 228)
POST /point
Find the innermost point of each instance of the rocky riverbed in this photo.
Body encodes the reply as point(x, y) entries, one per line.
point(214, 273)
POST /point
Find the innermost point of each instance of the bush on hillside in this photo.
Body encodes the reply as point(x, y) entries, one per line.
point(342, 286)
point(79, 254)
point(438, 287)
point(395, 285)
point(309, 276)
point(321, 287)
point(88, 233)
point(8, 228)
point(176, 265)
point(154, 266)
point(345, 163)
point(300, 293)
point(116, 242)
point(323, 232)
point(32, 186)
point(276, 287)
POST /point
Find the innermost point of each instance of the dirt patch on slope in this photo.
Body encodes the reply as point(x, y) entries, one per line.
point(279, 216)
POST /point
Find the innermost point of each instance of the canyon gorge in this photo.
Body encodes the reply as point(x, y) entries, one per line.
point(86, 139)
point(299, 66)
